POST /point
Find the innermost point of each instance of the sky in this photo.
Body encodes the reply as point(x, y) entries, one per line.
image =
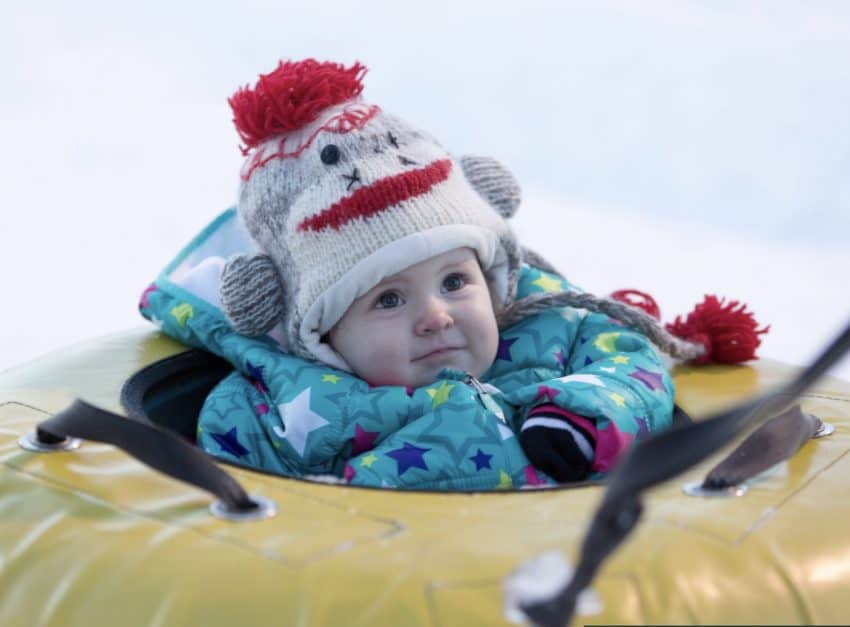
point(681, 148)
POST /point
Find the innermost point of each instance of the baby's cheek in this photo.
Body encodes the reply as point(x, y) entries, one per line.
point(384, 365)
point(483, 335)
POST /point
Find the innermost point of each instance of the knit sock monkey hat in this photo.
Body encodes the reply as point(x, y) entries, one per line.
point(339, 195)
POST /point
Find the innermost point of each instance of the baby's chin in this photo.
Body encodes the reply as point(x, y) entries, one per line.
point(426, 374)
point(409, 381)
point(396, 378)
point(419, 374)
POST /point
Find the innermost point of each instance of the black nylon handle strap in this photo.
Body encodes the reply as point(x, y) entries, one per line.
point(773, 442)
point(151, 445)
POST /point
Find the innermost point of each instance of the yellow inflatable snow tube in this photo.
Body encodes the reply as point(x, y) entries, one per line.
point(93, 537)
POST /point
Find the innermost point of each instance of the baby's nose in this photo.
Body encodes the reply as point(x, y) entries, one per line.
point(435, 317)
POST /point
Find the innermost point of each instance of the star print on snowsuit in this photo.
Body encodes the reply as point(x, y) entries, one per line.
point(282, 414)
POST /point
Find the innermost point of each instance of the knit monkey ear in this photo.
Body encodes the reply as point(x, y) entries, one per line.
point(494, 182)
point(252, 294)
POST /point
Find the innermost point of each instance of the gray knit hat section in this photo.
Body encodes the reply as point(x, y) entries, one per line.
point(537, 260)
point(494, 182)
point(251, 293)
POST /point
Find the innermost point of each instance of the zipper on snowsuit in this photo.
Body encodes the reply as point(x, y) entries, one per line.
point(483, 396)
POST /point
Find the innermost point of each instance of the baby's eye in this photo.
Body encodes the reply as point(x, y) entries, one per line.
point(388, 300)
point(454, 282)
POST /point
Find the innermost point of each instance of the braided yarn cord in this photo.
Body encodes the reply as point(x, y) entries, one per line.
point(630, 316)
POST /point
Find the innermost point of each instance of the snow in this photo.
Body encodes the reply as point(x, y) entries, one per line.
point(540, 579)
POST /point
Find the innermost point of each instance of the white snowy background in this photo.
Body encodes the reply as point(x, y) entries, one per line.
point(681, 148)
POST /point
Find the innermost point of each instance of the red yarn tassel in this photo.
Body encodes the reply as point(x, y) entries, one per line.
point(728, 331)
point(641, 300)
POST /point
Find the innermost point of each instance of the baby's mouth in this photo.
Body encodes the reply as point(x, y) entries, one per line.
point(438, 353)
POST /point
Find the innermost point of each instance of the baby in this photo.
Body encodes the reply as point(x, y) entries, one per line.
point(423, 347)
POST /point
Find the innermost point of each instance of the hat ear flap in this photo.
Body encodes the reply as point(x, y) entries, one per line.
point(494, 182)
point(252, 294)
point(533, 258)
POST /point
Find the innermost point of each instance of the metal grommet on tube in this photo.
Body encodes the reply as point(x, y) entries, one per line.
point(32, 442)
point(824, 430)
point(696, 488)
point(266, 508)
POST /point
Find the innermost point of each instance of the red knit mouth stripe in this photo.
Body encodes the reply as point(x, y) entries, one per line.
point(383, 193)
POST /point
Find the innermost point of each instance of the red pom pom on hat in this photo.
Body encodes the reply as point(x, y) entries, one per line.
point(728, 331)
point(291, 96)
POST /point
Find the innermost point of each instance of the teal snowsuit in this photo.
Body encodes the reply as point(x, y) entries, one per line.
point(286, 415)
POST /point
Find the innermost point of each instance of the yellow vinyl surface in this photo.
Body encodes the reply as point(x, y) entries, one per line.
point(93, 537)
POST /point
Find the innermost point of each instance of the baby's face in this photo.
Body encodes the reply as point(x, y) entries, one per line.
point(436, 314)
